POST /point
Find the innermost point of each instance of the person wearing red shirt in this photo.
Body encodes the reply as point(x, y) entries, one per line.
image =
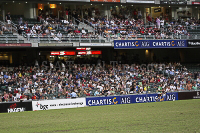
point(135, 14)
point(149, 19)
point(22, 96)
point(27, 30)
point(67, 13)
point(34, 97)
point(87, 93)
point(77, 31)
point(16, 91)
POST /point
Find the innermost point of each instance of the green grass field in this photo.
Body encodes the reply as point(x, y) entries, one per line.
point(177, 116)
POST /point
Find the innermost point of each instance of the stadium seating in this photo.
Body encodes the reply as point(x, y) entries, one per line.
point(167, 75)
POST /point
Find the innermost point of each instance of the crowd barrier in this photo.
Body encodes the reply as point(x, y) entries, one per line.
point(127, 99)
point(58, 104)
point(10, 107)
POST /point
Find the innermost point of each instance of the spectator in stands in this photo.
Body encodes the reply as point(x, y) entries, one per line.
point(18, 95)
point(83, 31)
point(8, 19)
point(22, 97)
point(76, 31)
point(73, 94)
point(1, 98)
point(158, 22)
point(59, 35)
point(1, 30)
point(189, 86)
point(21, 29)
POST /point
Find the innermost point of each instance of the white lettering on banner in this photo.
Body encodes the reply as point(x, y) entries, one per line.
point(58, 104)
point(145, 44)
point(62, 53)
point(125, 100)
point(126, 44)
point(163, 44)
point(109, 101)
point(144, 99)
point(180, 43)
point(171, 97)
point(16, 110)
point(194, 43)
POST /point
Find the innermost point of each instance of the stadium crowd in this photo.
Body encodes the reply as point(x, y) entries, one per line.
point(116, 27)
point(40, 82)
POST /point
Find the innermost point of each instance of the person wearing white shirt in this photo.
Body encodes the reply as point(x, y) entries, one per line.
point(163, 35)
point(33, 91)
point(167, 89)
point(83, 31)
point(9, 88)
point(59, 35)
point(59, 86)
point(41, 89)
point(18, 95)
point(162, 23)
point(27, 91)
point(35, 84)
point(19, 89)
point(52, 34)
point(100, 87)
point(51, 65)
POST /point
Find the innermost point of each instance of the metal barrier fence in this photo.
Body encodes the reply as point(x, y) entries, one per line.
point(99, 39)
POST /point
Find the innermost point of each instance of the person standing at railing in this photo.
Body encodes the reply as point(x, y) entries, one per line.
point(162, 22)
point(8, 19)
point(149, 19)
point(158, 23)
point(1, 30)
point(67, 14)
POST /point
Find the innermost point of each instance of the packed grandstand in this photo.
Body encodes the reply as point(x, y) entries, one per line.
point(53, 82)
point(49, 28)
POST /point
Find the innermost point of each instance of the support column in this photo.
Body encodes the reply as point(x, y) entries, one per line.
point(174, 14)
point(107, 12)
point(30, 10)
point(195, 12)
point(3, 12)
point(143, 10)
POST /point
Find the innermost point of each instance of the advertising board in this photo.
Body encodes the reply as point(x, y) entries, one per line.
point(11, 107)
point(120, 44)
point(58, 104)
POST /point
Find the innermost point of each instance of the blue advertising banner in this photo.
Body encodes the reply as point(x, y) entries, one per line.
point(127, 99)
point(120, 44)
point(144, 98)
point(171, 96)
point(98, 101)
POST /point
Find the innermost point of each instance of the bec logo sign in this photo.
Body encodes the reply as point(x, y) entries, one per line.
point(43, 107)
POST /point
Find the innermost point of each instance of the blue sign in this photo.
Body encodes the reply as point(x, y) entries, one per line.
point(98, 101)
point(118, 44)
point(171, 96)
point(127, 99)
point(144, 98)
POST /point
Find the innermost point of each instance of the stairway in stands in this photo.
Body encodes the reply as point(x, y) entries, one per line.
point(85, 26)
point(15, 32)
